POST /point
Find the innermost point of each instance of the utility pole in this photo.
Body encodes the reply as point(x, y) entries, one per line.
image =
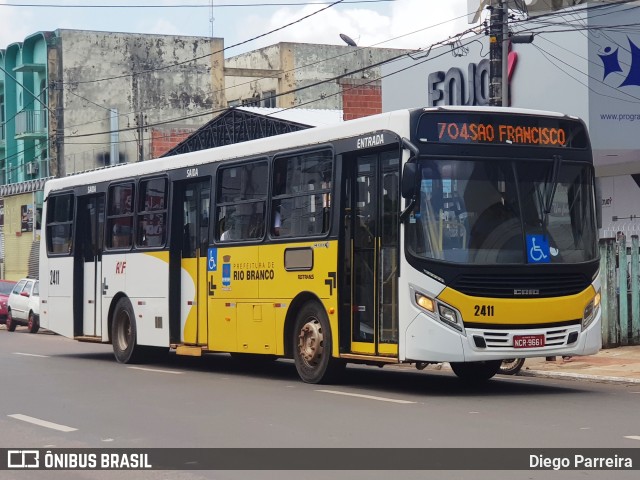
point(498, 53)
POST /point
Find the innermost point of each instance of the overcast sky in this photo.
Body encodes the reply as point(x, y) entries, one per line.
point(382, 23)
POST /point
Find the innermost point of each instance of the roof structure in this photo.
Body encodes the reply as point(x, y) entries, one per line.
point(241, 124)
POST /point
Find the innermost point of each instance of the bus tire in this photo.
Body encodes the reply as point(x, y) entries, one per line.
point(476, 372)
point(312, 346)
point(511, 366)
point(123, 333)
point(10, 323)
point(33, 325)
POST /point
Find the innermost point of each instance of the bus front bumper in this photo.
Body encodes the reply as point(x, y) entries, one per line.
point(428, 340)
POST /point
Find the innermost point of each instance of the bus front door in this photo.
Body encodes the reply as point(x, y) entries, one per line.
point(87, 308)
point(372, 229)
point(193, 213)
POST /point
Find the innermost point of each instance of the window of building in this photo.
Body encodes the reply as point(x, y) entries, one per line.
point(242, 199)
point(120, 216)
point(269, 99)
point(251, 102)
point(60, 224)
point(301, 196)
point(152, 213)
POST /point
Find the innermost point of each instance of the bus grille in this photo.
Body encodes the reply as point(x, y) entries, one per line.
point(507, 286)
point(556, 337)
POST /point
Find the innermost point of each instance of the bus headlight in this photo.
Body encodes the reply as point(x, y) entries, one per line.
point(425, 302)
point(591, 310)
point(444, 313)
point(449, 316)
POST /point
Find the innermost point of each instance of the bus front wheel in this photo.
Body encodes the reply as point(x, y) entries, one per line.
point(312, 346)
point(123, 333)
point(476, 372)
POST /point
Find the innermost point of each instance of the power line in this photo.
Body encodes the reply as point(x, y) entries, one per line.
point(349, 52)
point(547, 54)
point(151, 70)
point(209, 112)
point(330, 80)
point(197, 5)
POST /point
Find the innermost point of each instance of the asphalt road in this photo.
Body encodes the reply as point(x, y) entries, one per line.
point(89, 400)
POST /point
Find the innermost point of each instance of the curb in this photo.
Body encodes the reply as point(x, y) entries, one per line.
point(578, 376)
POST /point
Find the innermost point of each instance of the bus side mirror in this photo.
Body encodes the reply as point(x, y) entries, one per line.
point(409, 174)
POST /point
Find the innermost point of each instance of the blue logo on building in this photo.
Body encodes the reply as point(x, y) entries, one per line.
point(611, 64)
point(538, 249)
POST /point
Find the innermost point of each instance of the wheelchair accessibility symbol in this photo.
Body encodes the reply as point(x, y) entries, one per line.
point(212, 260)
point(538, 249)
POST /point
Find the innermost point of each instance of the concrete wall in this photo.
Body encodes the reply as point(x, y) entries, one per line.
point(296, 67)
point(169, 84)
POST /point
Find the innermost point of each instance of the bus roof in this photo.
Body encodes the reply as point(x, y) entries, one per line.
point(393, 121)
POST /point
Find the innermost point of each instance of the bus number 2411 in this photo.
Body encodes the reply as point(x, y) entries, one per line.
point(54, 277)
point(483, 310)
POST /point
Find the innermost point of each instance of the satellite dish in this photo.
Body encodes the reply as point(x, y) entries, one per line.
point(348, 40)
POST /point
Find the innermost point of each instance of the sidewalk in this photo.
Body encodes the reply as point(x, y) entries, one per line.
point(619, 365)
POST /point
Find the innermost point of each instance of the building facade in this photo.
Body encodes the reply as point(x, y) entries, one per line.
point(308, 75)
point(75, 100)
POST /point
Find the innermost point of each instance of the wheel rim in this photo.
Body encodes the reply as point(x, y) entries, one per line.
point(510, 363)
point(123, 334)
point(30, 322)
point(311, 342)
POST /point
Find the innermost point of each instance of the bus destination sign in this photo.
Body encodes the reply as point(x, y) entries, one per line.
point(501, 130)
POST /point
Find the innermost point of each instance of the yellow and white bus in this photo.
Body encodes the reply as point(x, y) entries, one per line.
point(460, 235)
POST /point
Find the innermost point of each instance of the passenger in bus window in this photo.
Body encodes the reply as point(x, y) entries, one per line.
point(225, 229)
point(277, 222)
point(154, 231)
point(121, 235)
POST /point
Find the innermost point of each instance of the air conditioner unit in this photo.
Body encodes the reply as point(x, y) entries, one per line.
point(32, 168)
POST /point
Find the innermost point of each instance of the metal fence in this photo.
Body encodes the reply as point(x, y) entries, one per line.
point(619, 267)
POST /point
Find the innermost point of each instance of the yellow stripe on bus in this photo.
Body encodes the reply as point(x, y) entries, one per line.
point(163, 255)
point(517, 311)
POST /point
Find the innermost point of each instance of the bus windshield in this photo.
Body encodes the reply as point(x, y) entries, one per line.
point(504, 212)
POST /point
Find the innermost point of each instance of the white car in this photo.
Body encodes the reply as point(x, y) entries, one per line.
point(24, 305)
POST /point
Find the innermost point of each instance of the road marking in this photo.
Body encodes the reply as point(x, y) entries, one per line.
point(369, 397)
point(30, 355)
point(43, 423)
point(633, 437)
point(157, 370)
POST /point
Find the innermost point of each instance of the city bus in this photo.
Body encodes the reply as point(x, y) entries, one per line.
point(428, 235)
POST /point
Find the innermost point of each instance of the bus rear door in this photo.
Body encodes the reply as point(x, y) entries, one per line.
point(190, 232)
point(87, 308)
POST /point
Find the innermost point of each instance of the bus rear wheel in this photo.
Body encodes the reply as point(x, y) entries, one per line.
point(476, 372)
point(123, 333)
point(312, 346)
